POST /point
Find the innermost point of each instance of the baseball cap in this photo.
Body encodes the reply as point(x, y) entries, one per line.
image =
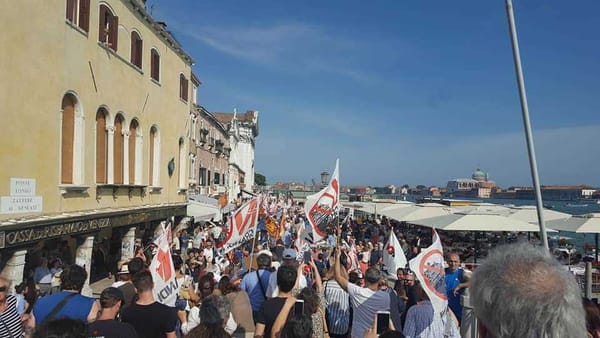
point(110, 296)
point(289, 253)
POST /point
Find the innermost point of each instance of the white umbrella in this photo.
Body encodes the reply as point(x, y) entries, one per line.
point(490, 208)
point(416, 211)
point(528, 213)
point(371, 207)
point(477, 221)
point(588, 223)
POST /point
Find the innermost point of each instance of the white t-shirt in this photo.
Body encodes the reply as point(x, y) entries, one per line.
point(366, 303)
point(273, 289)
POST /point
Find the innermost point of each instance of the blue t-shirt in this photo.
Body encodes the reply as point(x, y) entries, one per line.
point(452, 281)
point(255, 292)
point(78, 307)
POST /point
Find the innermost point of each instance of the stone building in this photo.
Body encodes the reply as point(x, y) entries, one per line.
point(95, 97)
point(242, 130)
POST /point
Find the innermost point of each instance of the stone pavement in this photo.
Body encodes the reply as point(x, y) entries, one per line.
point(100, 285)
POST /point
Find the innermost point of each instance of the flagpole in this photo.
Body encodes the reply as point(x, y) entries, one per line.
point(526, 122)
point(252, 252)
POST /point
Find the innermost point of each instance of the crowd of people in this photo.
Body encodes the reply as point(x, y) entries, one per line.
point(266, 288)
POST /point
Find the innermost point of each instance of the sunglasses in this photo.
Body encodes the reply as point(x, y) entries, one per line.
point(3, 288)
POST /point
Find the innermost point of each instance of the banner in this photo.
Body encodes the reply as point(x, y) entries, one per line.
point(241, 226)
point(428, 267)
point(320, 208)
point(163, 273)
point(393, 256)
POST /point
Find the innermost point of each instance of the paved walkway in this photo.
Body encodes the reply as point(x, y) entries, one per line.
point(100, 285)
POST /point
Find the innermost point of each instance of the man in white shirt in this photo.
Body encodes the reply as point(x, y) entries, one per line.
point(289, 258)
point(365, 301)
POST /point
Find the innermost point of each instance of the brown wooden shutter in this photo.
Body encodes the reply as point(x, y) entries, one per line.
point(185, 89)
point(118, 151)
point(133, 48)
point(139, 45)
point(114, 33)
point(68, 134)
point(84, 15)
point(132, 136)
point(102, 24)
point(101, 147)
point(70, 10)
point(151, 160)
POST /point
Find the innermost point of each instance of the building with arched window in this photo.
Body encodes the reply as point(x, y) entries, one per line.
point(86, 158)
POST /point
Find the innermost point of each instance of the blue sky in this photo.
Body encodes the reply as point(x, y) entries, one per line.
point(415, 92)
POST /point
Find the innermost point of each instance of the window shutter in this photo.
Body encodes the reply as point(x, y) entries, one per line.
point(114, 33)
point(133, 49)
point(84, 15)
point(152, 64)
point(102, 24)
point(71, 10)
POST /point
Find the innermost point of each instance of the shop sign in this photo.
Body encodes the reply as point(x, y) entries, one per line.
point(20, 204)
point(17, 237)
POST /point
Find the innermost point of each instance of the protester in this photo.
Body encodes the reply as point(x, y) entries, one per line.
point(214, 313)
point(241, 310)
point(521, 291)
point(9, 316)
point(457, 280)
point(111, 301)
point(22, 304)
point(68, 303)
point(255, 283)
point(43, 277)
point(286, 279)
point(61, 328)
point(420, 321)
point(365, 301)
point(149, 318)
point(337, 303)
point(289, 259)
point(592, 318)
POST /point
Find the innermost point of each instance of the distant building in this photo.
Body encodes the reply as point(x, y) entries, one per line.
point(479, 186)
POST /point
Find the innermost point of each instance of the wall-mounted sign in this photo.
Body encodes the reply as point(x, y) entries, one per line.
point(20, 204)
point(22, 186)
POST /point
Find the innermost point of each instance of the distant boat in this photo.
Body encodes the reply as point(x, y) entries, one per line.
point(574, 205)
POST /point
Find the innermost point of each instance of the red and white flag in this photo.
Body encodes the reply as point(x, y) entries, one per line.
point(321, 208)
point(163, 273)
point(393, 256)
point(241, 226)
point(428, 267)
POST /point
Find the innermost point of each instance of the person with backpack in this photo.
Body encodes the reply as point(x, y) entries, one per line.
point(255, 283)
point(457, 280)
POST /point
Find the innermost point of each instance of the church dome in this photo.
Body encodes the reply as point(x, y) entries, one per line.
point(479, 175)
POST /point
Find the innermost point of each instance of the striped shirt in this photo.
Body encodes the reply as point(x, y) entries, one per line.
point(10, 321)
point(338, 307)
point(420, 323)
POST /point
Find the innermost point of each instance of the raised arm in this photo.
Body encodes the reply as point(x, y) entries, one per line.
point(317, 276)
point(337, 269)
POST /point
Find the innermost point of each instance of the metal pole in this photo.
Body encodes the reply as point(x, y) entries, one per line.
point(526, 122)
point(588, 280)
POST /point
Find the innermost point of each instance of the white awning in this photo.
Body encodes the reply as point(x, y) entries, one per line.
point(202, 212)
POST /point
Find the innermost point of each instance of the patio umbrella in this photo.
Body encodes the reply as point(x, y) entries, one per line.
point(411, 213)
point(487, 208)
point(373, 207)
point(588, 223)
point(476, 220)
point(528, 213)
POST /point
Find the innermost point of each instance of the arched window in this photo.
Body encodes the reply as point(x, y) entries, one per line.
point(108, 28)
point(182, 160)
point(118, 149)
point(136, 49)
point(101, 146)
point(154, 65)
point(154, 158)
point(135, 146)
point(68, 137)
point(78, 13)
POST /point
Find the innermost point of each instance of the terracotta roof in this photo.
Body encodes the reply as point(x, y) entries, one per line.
point(227, 117)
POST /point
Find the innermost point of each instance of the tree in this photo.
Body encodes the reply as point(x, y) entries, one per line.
point(260, 179)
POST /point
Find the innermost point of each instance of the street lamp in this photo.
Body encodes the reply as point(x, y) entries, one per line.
point(324, 178)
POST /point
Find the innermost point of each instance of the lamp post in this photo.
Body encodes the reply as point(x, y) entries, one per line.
point(324, 178)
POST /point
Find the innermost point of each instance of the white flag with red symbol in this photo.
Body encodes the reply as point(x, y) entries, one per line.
point(321, 208)
point(163, 273)
point(241, 226)
point(428, 267)
point(393, 256)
